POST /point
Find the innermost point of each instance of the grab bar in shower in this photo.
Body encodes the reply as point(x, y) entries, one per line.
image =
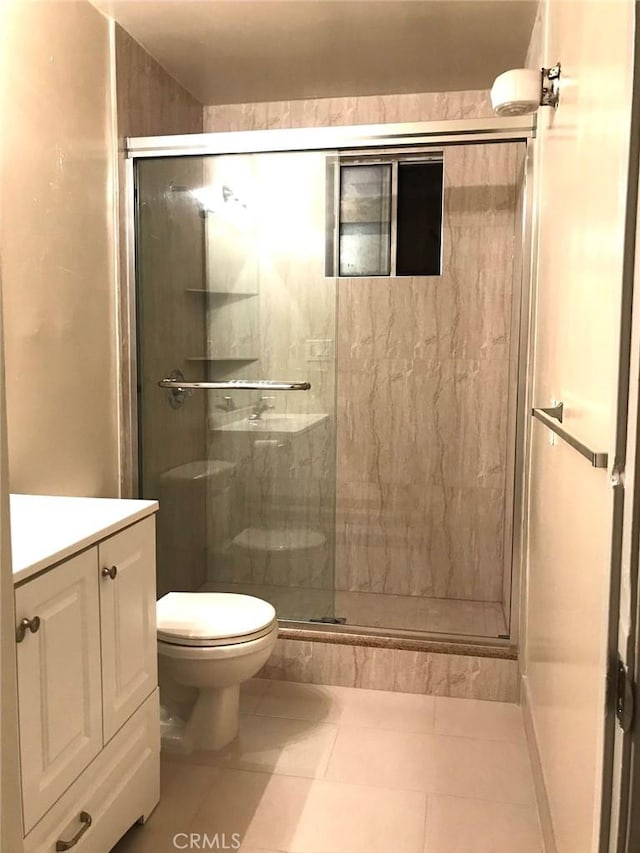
point(548, 417)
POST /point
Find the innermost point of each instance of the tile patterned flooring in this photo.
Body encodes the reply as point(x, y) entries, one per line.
point(320, 769)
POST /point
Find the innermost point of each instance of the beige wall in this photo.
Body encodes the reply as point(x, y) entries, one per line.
point(57, 243)
point(10, 806)
point(582, 153)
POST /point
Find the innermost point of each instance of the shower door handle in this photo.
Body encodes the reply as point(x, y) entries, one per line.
point(180, 389)
point(236, 385)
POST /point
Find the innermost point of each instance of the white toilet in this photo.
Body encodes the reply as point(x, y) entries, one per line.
point(210, 642)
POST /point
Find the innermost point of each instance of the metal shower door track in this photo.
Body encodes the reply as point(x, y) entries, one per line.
point(326, 138)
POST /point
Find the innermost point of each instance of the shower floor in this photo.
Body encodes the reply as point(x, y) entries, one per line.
point(379, 610)
point(418, 613)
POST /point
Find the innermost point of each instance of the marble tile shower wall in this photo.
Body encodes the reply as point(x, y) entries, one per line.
point(326, 112)
point(399, 670)
point(424, 399)
point(424, 378)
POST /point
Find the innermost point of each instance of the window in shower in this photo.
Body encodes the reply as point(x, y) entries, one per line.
point(388, 216)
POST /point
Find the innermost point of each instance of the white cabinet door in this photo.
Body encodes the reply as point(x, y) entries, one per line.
point(59, 690)
point(128, 606)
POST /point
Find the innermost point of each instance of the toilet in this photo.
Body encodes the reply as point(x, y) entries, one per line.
point(208, 644)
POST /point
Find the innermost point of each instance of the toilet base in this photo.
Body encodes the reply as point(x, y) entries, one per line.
point(201, 685)
point(215, 717)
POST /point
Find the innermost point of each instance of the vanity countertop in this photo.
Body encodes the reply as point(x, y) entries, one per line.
point(47, 529)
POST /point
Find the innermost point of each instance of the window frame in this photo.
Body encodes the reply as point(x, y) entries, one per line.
point(380, 157)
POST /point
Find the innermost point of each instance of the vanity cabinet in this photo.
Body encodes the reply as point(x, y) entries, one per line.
point(87, 694)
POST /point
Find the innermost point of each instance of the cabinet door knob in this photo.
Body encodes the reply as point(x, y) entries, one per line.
point(27, 625)
point(110, 573)
point(85, 820)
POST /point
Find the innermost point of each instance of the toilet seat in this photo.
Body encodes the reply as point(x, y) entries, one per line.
point(209, 619)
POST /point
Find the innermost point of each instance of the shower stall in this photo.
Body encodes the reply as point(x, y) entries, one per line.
point(328, 398)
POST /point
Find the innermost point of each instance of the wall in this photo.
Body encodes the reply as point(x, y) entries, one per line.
point(464, 676)
point(10, 806)
point(59, 244)
point(582, 170)
point(424, 396)
point(407, 476)
point(58, 251)
point(326, 112)
point(149, 101)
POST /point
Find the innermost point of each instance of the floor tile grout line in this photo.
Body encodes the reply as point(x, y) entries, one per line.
point(359, 785)
point(438, 794)
point(427, 803)
point(339, 723)
point(200, 799)
point(330, 755)
point(520, 740)
point(350, 783)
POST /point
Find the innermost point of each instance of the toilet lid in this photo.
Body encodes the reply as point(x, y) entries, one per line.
point(207, 618)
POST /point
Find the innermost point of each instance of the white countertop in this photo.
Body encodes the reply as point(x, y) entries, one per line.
point(45, 530)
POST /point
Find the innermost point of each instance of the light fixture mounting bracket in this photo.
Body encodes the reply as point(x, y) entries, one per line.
point(550, 93)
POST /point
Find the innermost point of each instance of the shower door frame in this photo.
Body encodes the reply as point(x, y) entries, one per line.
point(361, 137)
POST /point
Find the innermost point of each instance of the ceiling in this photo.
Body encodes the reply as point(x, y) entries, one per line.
point(237, 51)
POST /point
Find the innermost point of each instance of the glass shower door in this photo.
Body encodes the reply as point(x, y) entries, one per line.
point(231, 289)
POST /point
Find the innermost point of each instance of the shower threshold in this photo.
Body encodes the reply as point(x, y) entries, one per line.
point(419, 641)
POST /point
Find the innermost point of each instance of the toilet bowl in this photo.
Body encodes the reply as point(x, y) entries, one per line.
point(208, 644)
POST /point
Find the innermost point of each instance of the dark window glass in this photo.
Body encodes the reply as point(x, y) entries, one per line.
point(419, 218)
